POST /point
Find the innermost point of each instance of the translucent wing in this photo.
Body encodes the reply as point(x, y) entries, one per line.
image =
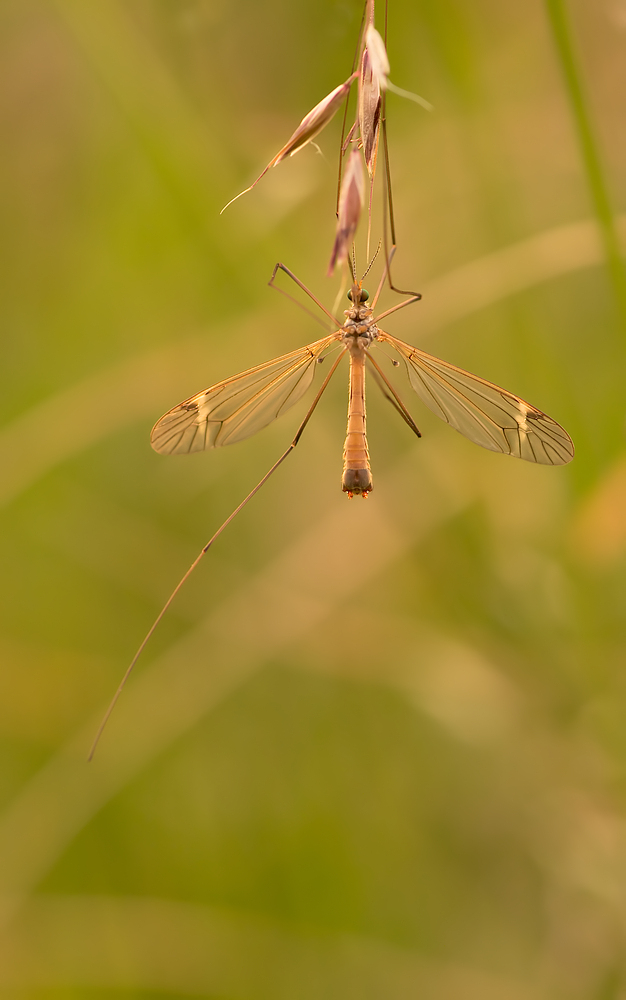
point(483, 412)
point(240, 406)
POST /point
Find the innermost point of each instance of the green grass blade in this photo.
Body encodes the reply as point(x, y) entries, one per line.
point(591, 157)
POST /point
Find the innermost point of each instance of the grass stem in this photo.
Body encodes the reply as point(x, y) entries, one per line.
point(557, 15)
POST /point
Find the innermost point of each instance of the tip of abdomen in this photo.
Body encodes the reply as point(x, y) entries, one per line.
point(357, 481)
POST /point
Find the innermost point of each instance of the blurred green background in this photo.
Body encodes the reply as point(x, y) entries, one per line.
point(376, 750)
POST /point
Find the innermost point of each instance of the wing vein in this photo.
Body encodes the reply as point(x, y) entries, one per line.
point(488, 415)
point(239, 406)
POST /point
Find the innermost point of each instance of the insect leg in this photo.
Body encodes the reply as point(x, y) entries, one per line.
point(203, 552)
point(388, 214)
point(301, 285)
point(401, 305)
point(414, 296)
point(394, 398)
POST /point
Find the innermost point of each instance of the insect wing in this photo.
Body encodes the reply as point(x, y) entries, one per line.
point(483, 412)
point(240, 406)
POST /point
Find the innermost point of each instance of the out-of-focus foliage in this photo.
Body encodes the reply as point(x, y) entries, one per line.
point(377, 749)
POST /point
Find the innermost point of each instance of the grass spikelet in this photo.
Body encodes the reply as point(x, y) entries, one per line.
point(351, 201)
point(310, 126)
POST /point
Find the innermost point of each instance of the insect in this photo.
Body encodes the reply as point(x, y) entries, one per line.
point(238, 407)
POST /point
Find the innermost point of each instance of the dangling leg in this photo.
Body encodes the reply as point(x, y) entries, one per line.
point(205, 549)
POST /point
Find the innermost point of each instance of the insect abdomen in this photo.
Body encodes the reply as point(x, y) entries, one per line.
point(357, 477)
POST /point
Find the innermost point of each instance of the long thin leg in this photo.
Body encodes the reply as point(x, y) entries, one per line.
point(414, 296)
point(381, 284)
point(401, 305)
point(388, 214)
point(344, 146)
point(203, 552)
point(394, 398)
point(308, 292)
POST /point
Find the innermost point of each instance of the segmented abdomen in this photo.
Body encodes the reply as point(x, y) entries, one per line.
point(357, 477)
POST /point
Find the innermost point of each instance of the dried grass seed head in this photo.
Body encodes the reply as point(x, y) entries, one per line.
point(377, 56)
point(310, 126)
point(369, 112)
point(313, 123)
point(351, 201)
point(379, 63)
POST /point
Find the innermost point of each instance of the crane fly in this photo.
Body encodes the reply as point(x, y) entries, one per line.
point(238, 407)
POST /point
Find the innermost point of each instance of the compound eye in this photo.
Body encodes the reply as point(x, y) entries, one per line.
point(350, 296)
point(364, 295)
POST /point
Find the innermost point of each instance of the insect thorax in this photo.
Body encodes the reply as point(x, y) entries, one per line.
point(359, 327)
